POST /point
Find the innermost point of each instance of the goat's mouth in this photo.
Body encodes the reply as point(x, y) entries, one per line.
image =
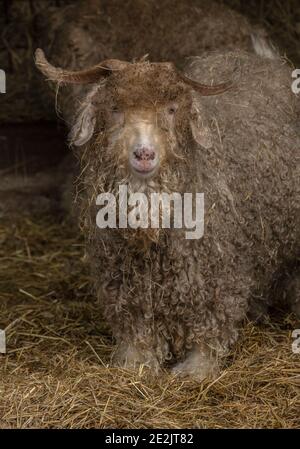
point(145, 169)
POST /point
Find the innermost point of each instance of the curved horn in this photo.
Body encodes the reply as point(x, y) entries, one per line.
point(91, 75)
point(204, 89)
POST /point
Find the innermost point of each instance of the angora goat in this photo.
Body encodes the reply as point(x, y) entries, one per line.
point(169, 299)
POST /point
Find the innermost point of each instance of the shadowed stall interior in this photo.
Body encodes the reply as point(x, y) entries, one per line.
point(55, 373)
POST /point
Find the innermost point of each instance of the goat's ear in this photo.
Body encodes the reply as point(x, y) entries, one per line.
point(84, 126)
point(200, 129)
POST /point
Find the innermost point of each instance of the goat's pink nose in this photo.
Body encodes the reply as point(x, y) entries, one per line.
point(144, 154)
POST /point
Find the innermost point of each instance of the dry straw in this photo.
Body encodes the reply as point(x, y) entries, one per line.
point(56, 371)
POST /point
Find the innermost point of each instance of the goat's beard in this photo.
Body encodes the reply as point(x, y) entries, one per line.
point(106, 174)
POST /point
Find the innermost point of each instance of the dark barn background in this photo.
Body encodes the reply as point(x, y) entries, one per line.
point(23, 105)
point(55, 372)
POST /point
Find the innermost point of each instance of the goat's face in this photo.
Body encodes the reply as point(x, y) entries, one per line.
point(131, 119)
point(137, 117)
point(141, 139)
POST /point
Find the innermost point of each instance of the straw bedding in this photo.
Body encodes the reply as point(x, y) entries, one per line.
point(56, 374)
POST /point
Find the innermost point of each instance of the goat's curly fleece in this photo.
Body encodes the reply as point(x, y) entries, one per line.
point(157, 289)
point(166, 293)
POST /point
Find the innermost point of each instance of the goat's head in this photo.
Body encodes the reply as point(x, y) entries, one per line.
point(135, 111)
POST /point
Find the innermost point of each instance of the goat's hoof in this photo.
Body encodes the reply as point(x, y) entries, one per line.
point(130, 357)
point(188, 370)
point(197, 366)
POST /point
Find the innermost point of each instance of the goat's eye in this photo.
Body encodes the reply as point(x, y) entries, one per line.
point(172, 109)
point(117, 115)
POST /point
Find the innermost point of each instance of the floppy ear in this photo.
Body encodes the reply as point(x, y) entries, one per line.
point(84, 126)
point(200, 129)
point(85, 122)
